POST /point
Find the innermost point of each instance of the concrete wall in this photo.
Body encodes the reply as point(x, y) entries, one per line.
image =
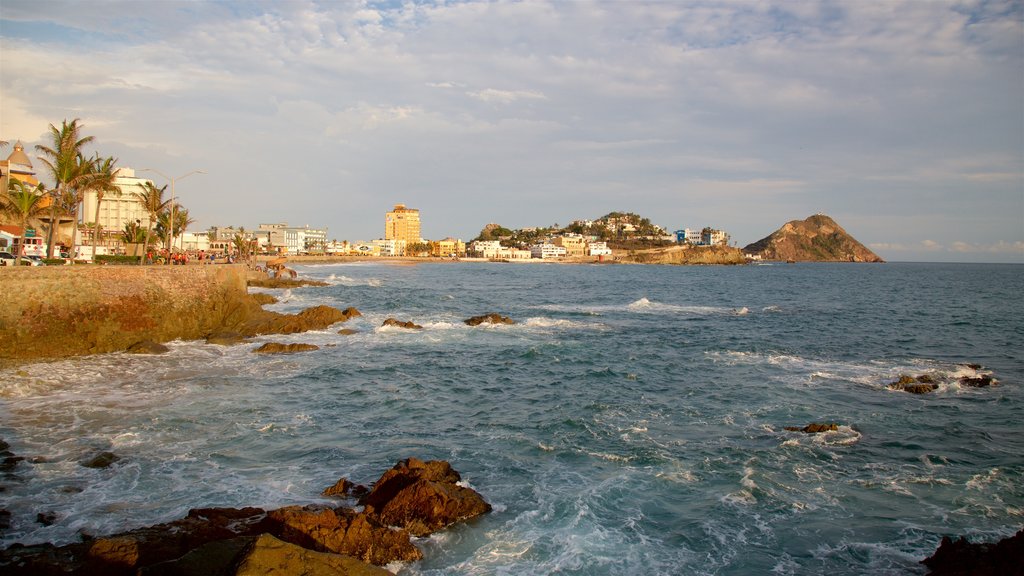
point(59, 311)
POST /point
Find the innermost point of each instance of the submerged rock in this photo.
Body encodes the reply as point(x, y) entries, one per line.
point(101, 460)
point(492, 318)
point(399, 324)
point(978, 381)
point(278, 348)
point(919, 385)
point(961, 558)
point(815, 428)
point(147, 347)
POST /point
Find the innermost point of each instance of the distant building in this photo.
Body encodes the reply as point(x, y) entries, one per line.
point(447, 248)
point(402, 223)
point(703, 237)
point(598, 249)
point(485, 248)
point(390, 247)
point(574, 245)
point(17, 166)
point(547, 251)
point(118, 209)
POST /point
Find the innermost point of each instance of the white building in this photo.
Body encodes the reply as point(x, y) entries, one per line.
point(119, 208)
point(485, 248)
point(598, 249)
point(514, 254)
point(195, 241)
point(392, 247)
point(547, 251)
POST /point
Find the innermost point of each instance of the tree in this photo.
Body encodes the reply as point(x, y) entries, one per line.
point(21, 203)
point(154, 203)
point(62, 158)
point(101, 181)
point(181, 221)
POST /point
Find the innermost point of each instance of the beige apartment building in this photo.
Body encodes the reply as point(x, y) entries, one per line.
point(402, 224)
point(574, 245)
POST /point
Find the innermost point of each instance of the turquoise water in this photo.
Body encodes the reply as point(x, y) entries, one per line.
point(630, 422)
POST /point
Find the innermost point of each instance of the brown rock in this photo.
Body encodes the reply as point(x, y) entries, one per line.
point(978, 382)
point(316, 318)
point(283, 283)
point(423, 497)
point(347, 332)
point(262, 298)
point(491, 318)
point(815, 428)
point(343, 531)
point(400, 324)
point(961, 558)
point(340, 488)
point(912, 387)
point(260, 556)
point(147, 347)
point(278, 348)
point(223, 338)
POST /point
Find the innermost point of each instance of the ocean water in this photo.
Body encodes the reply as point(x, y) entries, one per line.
point(631, 422)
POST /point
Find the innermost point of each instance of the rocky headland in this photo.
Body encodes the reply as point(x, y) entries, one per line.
point(58, 312)
point(413, 499)
point(816, 239)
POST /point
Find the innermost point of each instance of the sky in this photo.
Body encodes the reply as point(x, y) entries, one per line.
point(904, 121)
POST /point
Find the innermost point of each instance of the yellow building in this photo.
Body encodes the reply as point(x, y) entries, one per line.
point(17, 166)
point(402, 224)
point(574, 245)
point(447, 248)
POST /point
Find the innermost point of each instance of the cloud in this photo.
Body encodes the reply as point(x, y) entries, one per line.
point(492, 95)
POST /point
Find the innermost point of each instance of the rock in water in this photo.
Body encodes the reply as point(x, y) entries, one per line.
point(423, 497)
point(491, 318)
point(961, 558)
point(816, 239)
point(101, 460)
point(815, 428)
point(147, 347)
point(278, 348)
point(399, 324)
point(343, 531)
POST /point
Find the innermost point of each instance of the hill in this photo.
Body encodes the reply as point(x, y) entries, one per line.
point(816, 239)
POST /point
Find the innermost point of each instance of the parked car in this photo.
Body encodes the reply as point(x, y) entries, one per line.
point(6, 259)
point(31, 261)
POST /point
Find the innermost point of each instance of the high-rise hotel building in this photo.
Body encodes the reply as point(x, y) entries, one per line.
point(402, 224)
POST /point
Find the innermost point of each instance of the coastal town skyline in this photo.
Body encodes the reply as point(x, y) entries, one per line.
point(900, 120)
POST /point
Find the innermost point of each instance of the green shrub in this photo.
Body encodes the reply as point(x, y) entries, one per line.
point(119, 259)
point(54, 261)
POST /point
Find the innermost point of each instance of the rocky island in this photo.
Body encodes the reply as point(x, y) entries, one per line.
point(816, 239)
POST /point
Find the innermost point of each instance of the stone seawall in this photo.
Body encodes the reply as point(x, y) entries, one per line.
point(60, 311)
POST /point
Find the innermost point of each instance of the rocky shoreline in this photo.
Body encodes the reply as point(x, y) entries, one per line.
point(412, 499)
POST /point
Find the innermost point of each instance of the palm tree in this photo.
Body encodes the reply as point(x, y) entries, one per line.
point(181, 221)
point(153, 200)
point(62, 158)
point(101, 181)
point(21, 203)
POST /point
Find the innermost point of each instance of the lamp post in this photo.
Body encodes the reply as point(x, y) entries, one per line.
point(170, 232)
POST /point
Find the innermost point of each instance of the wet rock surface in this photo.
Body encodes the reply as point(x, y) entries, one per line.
point(310, 540)
point(492, 318)
point(400, 324)
point(279, 348)
point(961, 558)
point(815, 428)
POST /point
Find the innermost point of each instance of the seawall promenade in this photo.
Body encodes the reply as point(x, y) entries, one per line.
point(61, 311)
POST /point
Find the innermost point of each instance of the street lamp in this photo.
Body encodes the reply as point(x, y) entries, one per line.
point(170, 232)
